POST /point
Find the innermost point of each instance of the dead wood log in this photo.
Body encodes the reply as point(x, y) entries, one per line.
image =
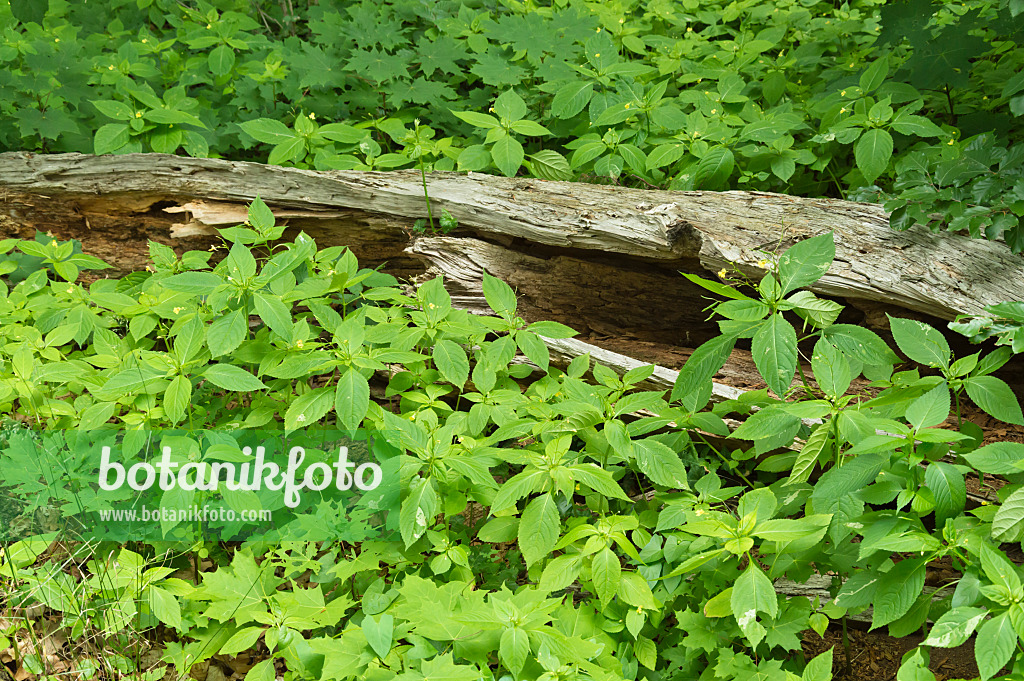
point(653, 233)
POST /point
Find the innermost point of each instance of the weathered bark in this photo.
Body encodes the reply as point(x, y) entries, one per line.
point(652, 232)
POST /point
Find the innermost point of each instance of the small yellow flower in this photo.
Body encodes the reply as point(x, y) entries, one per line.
point(56, 40)
point(431, 306)
point(491, 110)
point(714, 111)
point(312, 116)
point(622, 21)
point(950, 142)
point(639, 610)
point(299, 344)
point(627, 105)
point(53, 242)
point(209, 26)
point(598, 30)
point(71, 289)
point(177, 310)
point(689, 29)
point(110, 68)
point(138, 114)
point(300, 418)
point(597, 55)
point(213, 248)
point(721, 273)
point(843, 110)
point(843, 93)
point(762, 263)
point(145, 40)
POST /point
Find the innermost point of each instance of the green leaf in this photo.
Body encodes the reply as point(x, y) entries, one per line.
point(860, 344)
point(774, 352)
point(920, 342)
point(534, 348)
point(819, 668)
point(714, 168)
point(1008, 523)
point(499, 296)
point(268, 130)
point(633, 589)
point(561, 572)
point(753, 593)
point(809, 454)
point(995, 397)
point(995, 645)
point(874, 75)
point(201, 283)
point(119, 111)
point(233, 378)
point(110, 137)
point(274, 313)
point(177, 397)
point(660, 463)
point(840, 481)
point(29, 10)
point(352, 399)
point(806, 262)
point(452, 362)
point(539, 528)
point(998, 458)
point(478, 120)
point(379, 632)
point(243, 639)
point(872, 153)
point(507, 154)
point(531, 128)
point(830, 368)
point(261, 671)
point(548, 164)
point(165, 606)
point(514, 648)
point(291, 151)
point(955, 627)
point(665, 154)
point(716, 287)
point(930, 409)
point(418, 510)
point(949, 490)
point(221, 60)
point(898, 590)
point(227, 332)
point(309, 408)
point(694, 385)
point(999, 570)
point(571, 98)
point(606, 573)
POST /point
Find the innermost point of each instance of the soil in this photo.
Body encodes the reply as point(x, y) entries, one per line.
point(875, 656)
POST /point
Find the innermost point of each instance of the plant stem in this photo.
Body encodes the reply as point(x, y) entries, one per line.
point(423, 176)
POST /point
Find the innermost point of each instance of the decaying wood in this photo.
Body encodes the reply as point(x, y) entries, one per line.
point(652, 232)
point(818, 586)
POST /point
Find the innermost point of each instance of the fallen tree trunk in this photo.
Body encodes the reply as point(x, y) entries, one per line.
point(653, 233)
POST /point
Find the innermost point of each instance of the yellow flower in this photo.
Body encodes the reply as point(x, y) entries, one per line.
point(714, 111)
point(138, 114)
point(597, 55)
point(721, 273)
point(177, 310)
point(622, 21)
point(145, 40)
point(298, 344)
point(950, 142)
point(843, 93)
point(56, 40)
point(110, 68)
point(312, 116)
point(762, 263)
point(627, 105)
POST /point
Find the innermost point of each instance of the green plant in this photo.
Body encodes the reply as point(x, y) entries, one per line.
point(633, 542)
